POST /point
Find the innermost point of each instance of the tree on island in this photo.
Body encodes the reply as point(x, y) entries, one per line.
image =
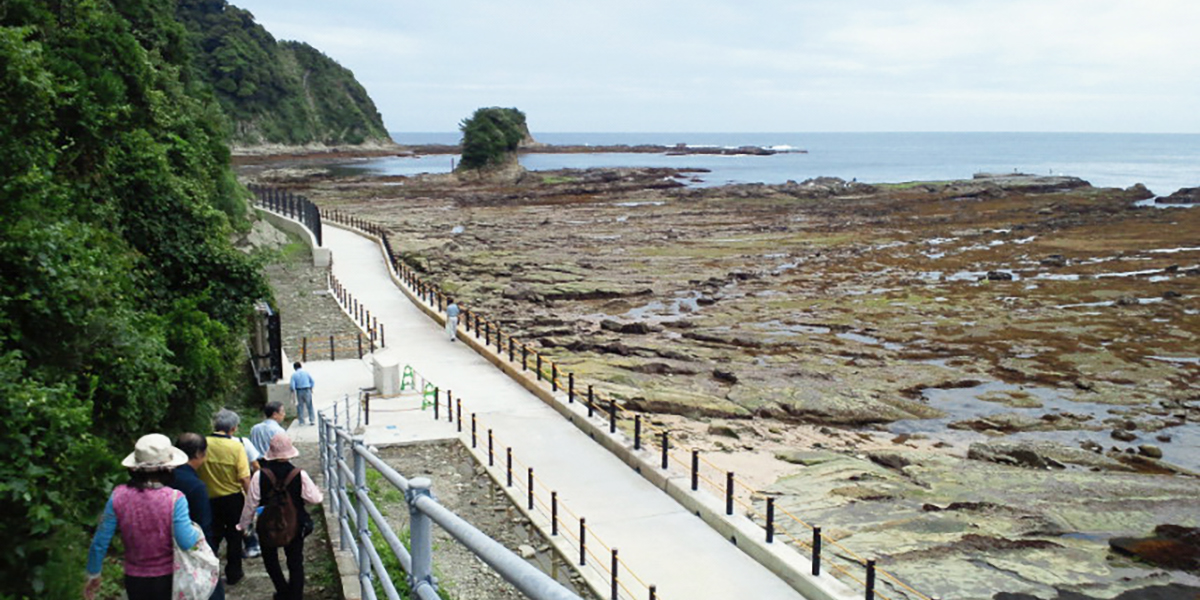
point(491, 137)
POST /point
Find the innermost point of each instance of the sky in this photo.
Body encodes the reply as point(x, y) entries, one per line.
point(765, 65)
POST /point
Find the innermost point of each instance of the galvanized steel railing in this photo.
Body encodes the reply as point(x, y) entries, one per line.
point(344, 461)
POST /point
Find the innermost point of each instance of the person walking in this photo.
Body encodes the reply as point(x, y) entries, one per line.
point(150, 516)
point(226, 472)
point(452, 312)
point(195, 446)
point(279, 473)
point(272, 423)
point(302, 385)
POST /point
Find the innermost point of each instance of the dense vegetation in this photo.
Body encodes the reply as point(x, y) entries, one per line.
point(491, 137)
point(121, 298)
point(280, 93)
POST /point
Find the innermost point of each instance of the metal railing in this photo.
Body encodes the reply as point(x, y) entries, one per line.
point(539, 500)
point(289, 205)
point(825, 552)
point(344, 462)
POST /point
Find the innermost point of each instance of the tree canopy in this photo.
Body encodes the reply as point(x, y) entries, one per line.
point(275, 92)
point(122, 301)
point(491, 136)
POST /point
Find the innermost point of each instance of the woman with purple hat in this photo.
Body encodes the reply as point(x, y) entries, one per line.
point(149, 514)
point(277, 470)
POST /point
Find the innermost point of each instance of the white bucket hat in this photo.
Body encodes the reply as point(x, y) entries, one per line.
point(154, 451)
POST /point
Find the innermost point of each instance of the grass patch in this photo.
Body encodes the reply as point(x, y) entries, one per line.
point(556, 179)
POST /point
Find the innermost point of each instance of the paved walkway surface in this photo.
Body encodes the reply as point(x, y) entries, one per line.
point(658, 540)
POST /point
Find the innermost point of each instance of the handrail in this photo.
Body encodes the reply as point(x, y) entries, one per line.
point(423, 509)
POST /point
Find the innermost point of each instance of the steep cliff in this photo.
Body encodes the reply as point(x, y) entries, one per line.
point(275, 92)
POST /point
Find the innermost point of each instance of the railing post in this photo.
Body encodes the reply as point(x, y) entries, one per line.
point(510, 348)
point(637, 432)
point(382, 343)
point(364, 529)
point(653, 592)
point(360, 345)
point(421, 537)
point(437, 403)
point(553, 513)
point(615, 564)
point(666, 444)
point(508, 468)
point(529, 488)
point(553, 376)
point(458, 415)
point(695, 470)
point(570, 388)
point(612, 415)
point(491, 450)
point(870, 579)
point(582, 542)
point(366, 408)
point(591, 404)
point(771, 520)
point(816, 552)
point(449, 407)
point(729, 492)
point(474, 443)
point(539, 367)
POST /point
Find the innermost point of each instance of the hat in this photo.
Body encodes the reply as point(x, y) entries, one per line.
point(281, 448)
point(154, 451)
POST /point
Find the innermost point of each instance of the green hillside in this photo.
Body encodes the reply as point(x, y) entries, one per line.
point(276, 92)
point(123, 304)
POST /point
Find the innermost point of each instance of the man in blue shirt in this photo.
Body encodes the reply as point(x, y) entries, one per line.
point(261, 434)
point(195, 446)
point(302, 385)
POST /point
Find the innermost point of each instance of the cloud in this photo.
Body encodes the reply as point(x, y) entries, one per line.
point(799, 64)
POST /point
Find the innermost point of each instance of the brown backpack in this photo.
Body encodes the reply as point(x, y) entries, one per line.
point(277, 524)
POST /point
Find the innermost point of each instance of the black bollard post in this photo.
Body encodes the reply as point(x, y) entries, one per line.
point(695, 470)
point(770, 520)
point(816, 555)
point(871, 580)
point(508, 468)
point(666, 443)
point(637, 432)
point(570, 388)
point(729, 492)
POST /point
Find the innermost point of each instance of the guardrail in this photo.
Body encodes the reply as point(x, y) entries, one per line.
point(540, 500)
point(344, 461)
point(290, 205)
point(824, 551)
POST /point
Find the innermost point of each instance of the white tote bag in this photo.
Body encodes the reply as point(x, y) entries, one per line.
point(196, 571)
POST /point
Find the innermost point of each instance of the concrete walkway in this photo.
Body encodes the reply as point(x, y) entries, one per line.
point(658, 540)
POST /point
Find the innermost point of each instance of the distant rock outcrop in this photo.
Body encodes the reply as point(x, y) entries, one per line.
point(1183, 196)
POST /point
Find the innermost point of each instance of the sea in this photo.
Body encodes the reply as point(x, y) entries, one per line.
point(1162, 162)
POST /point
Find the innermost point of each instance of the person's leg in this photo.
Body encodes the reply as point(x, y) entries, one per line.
point(451, 325)
point(148, 588)
point(227, 511)
point(306, 398)
point(295, 562)
point(270, 557)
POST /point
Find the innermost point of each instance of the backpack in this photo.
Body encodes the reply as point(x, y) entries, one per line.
point(277, 525)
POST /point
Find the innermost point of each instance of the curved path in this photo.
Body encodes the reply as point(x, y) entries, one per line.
point(658, 539)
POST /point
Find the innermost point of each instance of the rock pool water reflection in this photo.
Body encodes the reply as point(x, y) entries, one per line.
point(966, 403)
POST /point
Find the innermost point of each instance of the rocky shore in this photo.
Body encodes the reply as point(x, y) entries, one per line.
point(979, 382)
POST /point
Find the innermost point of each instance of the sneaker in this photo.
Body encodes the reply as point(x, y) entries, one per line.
point(253, 552)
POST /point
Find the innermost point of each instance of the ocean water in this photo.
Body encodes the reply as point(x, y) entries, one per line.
point(1163, 162)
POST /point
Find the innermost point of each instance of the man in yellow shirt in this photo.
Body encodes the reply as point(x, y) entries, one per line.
point(226, 472)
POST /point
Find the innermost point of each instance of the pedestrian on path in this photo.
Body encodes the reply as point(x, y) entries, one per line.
point(150, 516)
point(279, 482)
point(272, 423)
point(226, 472)
point(302, 385)
point(188, 481)
point(452, 312)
